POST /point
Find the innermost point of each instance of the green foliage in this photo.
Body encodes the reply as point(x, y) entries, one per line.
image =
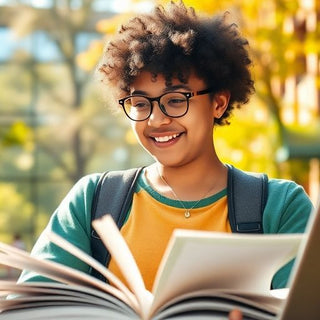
point(17, 134)
point(16, 86)
point(15, 214)
point(251, 140)
point(54, 127)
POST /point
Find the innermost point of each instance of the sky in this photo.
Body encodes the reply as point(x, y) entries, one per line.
point(98, 5)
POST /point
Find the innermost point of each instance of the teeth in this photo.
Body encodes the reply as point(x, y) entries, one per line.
point(165, 138)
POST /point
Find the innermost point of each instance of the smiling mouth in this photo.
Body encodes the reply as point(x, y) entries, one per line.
point(166, 138)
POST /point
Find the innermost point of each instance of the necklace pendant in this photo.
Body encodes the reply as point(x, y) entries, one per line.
point(187, 214)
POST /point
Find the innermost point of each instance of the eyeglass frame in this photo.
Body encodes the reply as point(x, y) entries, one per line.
point(188, 95)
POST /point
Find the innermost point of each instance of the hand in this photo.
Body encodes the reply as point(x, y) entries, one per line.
point(235, 315)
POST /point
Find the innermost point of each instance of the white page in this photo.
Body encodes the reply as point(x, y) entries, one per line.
point(59, 241)
point(67, 312)
point(198, 260)
point(19, 259)
point(38, 293)
point(120, 252)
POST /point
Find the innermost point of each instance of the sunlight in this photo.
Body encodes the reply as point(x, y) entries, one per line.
point(307, 4)
point(127, 5)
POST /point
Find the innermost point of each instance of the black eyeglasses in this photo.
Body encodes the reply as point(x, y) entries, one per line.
point(172, 104)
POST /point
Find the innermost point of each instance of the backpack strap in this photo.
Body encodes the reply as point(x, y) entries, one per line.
point(113, 195)
point(247, 196)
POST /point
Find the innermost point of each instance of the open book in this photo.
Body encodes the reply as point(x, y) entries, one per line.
point(203, 275)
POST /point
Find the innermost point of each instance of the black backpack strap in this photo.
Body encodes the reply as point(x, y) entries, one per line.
point(113, 195)
point(247, 197)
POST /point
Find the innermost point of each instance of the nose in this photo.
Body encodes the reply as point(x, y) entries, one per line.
point(157, 117)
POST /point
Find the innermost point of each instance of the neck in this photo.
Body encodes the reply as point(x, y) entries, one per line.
point(188, 182)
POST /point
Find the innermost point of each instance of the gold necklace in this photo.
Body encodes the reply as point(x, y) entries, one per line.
point(187, 213)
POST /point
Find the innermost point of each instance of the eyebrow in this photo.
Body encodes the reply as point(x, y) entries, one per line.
point(167, 89)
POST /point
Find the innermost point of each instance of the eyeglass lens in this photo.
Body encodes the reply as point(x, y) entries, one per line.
point(173, 104)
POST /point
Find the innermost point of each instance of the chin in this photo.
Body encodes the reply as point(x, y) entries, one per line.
point(169, 163)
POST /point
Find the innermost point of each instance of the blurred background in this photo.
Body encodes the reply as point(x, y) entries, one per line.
point(56, 127)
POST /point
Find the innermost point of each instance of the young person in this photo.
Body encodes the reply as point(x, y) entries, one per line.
point(176, 76)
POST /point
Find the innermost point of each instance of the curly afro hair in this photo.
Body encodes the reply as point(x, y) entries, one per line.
point(175, 41)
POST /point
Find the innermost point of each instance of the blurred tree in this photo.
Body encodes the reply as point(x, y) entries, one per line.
point(54, 128)
point(65, 117)
point(15, 214)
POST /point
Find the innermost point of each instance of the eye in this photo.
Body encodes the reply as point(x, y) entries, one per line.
point(138, 102)
point(174, 100)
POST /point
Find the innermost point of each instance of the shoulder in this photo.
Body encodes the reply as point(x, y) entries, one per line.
point(84, 188)
point(284, 185)
point(76, 205)
point(287, 192)
point(288, 207)
point(87, 182)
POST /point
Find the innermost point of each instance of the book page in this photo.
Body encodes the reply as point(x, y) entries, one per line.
point(120, 252)
point(41, 294)
point(20, 259)
point(66, 311)
point(196, 260)
point(214, 300)
point(64, 244)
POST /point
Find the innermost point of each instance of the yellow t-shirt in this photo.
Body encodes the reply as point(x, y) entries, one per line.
point(152, 219)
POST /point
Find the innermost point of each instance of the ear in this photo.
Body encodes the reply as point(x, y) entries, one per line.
point(220, 103)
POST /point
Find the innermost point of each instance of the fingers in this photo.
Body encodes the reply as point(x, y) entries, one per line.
point(235, 315)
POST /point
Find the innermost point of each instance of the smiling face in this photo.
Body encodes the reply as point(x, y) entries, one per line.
point(178, 141)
